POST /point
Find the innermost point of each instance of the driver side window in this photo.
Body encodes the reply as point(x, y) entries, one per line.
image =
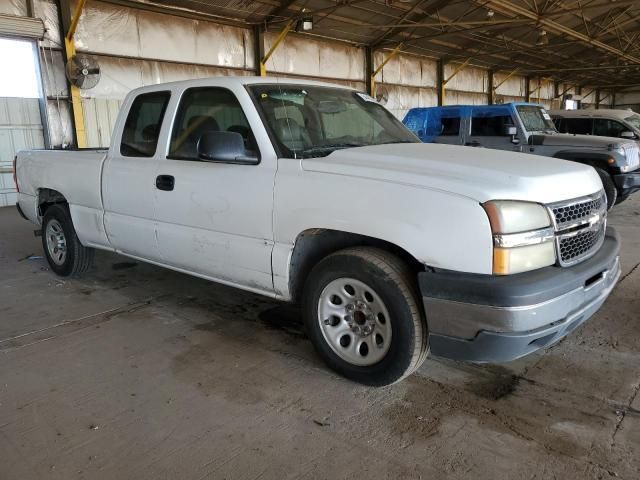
point(203, 110)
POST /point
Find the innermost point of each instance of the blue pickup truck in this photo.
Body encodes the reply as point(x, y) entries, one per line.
point(528, 128)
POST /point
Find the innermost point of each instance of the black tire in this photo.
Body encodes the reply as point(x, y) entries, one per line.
point(395, 285)
point(77, 258)
point(609, 187)
point(621, 198)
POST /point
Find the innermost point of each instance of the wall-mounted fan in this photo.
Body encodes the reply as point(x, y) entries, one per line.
point(83, 71)
point(382, 95)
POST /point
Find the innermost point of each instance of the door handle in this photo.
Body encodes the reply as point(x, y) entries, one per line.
point(472, 144)
point(165, 182)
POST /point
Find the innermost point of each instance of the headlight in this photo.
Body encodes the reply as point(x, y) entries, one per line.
point(522, 236)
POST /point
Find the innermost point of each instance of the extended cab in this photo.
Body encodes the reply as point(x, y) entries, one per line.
point(528, 128)
point(313, 193)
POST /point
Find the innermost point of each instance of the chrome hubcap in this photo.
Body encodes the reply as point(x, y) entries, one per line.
point(56, 242)
point(354, 321)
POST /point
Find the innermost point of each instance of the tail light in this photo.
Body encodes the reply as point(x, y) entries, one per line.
point(15, 172)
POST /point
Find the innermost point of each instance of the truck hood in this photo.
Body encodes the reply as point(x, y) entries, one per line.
point(476, 173)
point(575, 141)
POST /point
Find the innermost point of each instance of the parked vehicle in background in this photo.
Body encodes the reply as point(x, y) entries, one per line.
point(602, 122)
point(528, 128)
point(312, 193)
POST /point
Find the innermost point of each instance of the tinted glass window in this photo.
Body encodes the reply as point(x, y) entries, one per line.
point(204, 110)
point(142, 128)
point(579, 126)
point(608, 128)
point(535, 119)
point(450, 126)
point(310, 121)
point(490, 126)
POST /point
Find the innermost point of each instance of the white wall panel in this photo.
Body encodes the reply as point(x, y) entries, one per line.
point(469, 79)
point(515, 86)
point(59, 118)
point(453, 97)
point(99, 119)
point(47, 10)
point(310, 57)
point(20, 129)
point(406, 70)
point(224, 46)
point(106, 28)
point(14, 7)
point(53, 72)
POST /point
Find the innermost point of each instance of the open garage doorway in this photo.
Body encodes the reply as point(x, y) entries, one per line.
point(20, 116)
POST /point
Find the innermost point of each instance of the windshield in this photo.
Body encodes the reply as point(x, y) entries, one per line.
point(633, 121)
point(307, 121)
point(536, 119)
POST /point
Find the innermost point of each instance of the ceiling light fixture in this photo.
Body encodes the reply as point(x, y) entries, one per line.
point(543, 39)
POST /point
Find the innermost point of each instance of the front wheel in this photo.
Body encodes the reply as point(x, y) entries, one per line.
point(362, 315)
point(64, 252)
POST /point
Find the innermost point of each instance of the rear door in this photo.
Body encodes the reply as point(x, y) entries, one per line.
point(489, 128)
point(216, 220)
point(129, 177)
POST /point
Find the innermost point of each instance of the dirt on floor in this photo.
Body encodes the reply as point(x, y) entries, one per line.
point(136, 372)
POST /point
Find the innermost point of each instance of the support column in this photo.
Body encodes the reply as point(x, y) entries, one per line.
point(527, 89)
point(258, 46)
point(69, 23)
point(440, 82)
point(368, 71)
point(491, 95)
point(597, 98)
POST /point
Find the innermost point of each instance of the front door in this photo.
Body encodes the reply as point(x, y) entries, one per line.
point(129, 179)
point(216, 221)
point(489, 128)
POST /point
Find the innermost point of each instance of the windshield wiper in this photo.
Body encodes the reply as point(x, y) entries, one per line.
point(328, 148)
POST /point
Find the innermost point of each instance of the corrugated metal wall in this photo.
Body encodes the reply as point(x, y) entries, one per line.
point(136, 47)
point(20, 128)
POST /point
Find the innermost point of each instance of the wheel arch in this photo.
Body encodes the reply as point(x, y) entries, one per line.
point(314, 244)
point(593, 159)
point(48, 197)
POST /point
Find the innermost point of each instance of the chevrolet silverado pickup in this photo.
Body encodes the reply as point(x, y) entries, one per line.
point(528, 128)
point(315, 194)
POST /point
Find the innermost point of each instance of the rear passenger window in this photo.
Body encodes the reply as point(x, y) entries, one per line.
point(486, 125)
point(578, 126)
point(450, 127)
point(608, 128)
point(142, 128)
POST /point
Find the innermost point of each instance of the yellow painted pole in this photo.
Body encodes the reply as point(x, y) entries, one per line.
point(281, 36)
point(74, 92)
point(393, 53)
point(455, 72)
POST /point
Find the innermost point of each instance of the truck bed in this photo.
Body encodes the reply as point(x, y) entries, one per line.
point(37, 168)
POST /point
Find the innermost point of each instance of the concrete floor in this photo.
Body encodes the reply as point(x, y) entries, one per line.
point(135, 372)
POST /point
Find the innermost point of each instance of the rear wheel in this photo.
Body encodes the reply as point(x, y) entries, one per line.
point(64, 252)
point(609, 187)
point(362, 315)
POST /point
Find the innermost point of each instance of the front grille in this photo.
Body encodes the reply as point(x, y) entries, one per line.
point(632, 153)
point(580, 226)
point(577, 212)
point(580, 244)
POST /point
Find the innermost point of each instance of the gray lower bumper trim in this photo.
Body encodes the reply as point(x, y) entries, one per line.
point(490, 346)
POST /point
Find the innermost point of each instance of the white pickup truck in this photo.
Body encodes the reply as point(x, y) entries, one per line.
point(312, 193)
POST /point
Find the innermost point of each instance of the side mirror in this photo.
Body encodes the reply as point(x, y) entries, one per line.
point(629, 135)
point(223, 147)
point(513, 133)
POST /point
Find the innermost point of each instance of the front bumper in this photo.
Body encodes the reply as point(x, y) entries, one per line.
point(486, 318)
point(627, 183)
